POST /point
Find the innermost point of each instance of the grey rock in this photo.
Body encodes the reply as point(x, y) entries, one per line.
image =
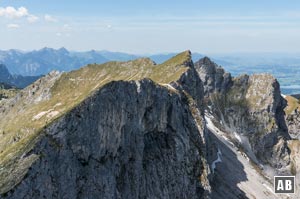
point(141, 139)
point(214, 77)
point(293, 123)
point(122, 142)
point(251, 106)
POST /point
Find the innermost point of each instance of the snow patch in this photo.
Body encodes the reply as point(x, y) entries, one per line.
point(58, 104)
point(209, 123)
point(40, 115)
point(284, 96)
point(169, 86)
point(237, 136)
point(50, 114)
point(269, 188)
point(213, 165)
point(138, 88)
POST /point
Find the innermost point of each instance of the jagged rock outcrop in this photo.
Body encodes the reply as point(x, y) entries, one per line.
point(214, 77)
point(252, 107)
point(292, 116)
point(293, 123)
point(105, 131)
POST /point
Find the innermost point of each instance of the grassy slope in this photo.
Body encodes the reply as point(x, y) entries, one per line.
point(7, 93)
point(293, 104)
point(21, 126)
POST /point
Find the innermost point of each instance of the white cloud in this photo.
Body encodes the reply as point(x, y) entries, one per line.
point(13, 26)
point(16, 13)
point(13, 13)
point(49, 18)
point(32, 18)
point(67, 27)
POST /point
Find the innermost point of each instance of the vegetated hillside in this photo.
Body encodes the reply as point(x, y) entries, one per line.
point(7, 91)
point(117, 130)
point(140, 130)
point(15, 80)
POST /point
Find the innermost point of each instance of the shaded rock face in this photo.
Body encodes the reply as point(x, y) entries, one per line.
point(252, 107)
point(191, 82)
point(214, 78)
point(128, 140)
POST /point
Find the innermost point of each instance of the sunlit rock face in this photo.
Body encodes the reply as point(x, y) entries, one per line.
point(214, 77)
point(251, 106)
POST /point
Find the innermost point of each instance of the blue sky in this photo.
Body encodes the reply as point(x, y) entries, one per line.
point(140, 26)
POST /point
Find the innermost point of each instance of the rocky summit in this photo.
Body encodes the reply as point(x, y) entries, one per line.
point(138, 129)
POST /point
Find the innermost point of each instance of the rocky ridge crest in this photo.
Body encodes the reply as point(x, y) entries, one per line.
point(251, 107)
point(118, 130)
point(138, 130)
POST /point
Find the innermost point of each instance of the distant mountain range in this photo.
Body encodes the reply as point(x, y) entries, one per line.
point(285, 67)
point(45, 60)
point(8, 80)
point(40, 62)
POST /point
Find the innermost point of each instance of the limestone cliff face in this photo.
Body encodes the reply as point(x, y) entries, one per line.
point(252, 107)
point(131, 138)
point(137, 130)
point(214, 78)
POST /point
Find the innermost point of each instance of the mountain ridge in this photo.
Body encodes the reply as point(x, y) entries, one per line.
point(52, 98)
point(43, 61)
point(146, 130)
point(18, 81)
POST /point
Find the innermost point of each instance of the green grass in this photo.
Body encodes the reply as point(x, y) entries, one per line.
point(22, 124)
